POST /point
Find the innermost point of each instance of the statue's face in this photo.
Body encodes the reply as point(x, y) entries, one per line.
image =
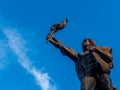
point(86, 44)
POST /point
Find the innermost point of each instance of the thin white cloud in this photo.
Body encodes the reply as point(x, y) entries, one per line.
point(16, 43)
point(3, 54)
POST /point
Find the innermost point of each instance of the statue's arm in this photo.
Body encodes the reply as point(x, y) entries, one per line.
point(65, 50)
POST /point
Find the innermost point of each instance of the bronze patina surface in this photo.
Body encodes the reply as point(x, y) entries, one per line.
point(93, 66)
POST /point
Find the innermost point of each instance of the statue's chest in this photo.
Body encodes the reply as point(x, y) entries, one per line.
point(86, 65)
point(87, 61)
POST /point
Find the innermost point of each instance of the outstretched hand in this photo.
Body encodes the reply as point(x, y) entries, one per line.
point(49, 37)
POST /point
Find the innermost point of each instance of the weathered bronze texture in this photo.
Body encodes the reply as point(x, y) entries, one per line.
point(93, 66)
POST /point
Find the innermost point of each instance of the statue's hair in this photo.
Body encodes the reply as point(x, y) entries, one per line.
point(92, 42)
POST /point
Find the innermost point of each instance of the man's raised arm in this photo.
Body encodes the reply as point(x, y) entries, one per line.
point(65, 50)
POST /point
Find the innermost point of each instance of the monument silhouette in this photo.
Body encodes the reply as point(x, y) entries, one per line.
point(93, 65)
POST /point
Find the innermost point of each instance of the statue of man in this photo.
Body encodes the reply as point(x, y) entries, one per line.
point(92, 66)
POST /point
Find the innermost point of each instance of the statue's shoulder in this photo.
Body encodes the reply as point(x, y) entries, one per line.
point(105, 48)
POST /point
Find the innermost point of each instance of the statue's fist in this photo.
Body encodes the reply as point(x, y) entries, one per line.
point(92, 48)
point(49, 36)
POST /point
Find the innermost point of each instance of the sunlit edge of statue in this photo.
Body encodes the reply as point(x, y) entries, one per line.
point(92, 66)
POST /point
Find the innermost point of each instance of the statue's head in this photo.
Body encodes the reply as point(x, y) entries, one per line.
point(87, 43)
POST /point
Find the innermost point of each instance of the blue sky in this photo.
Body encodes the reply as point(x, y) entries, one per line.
point(27, 62)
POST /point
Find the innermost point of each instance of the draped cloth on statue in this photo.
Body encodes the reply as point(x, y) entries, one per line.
point(93, 64)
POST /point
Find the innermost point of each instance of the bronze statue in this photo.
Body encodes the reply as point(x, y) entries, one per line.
point(92, 66)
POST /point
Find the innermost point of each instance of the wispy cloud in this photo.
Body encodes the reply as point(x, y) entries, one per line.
point(16, 43)
point(3, 54)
